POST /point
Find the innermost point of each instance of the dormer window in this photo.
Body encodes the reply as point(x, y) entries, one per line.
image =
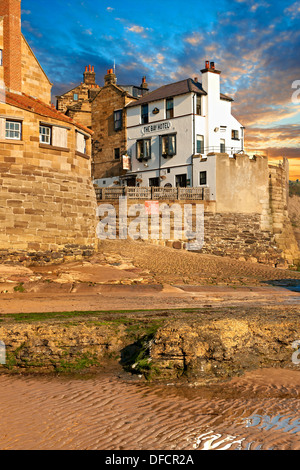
point(75, 97)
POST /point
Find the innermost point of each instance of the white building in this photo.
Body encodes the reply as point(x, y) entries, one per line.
point(174, 132)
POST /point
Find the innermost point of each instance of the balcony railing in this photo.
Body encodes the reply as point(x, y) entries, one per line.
point(153, 193)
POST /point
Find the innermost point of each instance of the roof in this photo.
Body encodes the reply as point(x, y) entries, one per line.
point(33, 105)
point(174, 89)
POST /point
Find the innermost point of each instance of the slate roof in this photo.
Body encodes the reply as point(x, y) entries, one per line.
point(28, 103)
point(174, 89)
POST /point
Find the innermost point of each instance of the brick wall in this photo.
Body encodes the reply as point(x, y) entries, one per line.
point(10, 10)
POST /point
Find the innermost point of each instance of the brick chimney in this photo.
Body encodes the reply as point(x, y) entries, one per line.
point(110, 78)
point(89, 76)
point(10, 10)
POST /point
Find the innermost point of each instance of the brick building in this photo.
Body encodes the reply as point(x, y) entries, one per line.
point(76, 103)
point(47, 200)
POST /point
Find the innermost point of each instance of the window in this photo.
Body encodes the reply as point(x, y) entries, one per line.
point(181, 181)
point(169, 108)
point(200, 144)
point(1, 57)
point(154, 182)
point(168, 145)
point(13, 130)
point(144, 114)
point(80, 142)
point(143, 149)
point(45, 135)
point(75, 97)
point(198, 105)
point(222, 145)
point(203, 177)
point(117, 153)
point(235, 135)
point(118, 119)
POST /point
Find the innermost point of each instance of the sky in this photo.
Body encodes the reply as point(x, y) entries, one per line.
point(255, 44)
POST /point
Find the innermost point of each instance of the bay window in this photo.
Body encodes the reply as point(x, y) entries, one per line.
point(143, 149)
point(168, 145)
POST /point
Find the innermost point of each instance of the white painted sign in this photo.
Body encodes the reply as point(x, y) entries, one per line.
point(160, 126)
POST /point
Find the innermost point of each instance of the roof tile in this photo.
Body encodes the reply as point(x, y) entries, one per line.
point(34, 105)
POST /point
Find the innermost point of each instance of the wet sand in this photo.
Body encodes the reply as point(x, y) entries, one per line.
point(260, 410)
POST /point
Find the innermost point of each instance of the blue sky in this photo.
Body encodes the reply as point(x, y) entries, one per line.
point(255, 43)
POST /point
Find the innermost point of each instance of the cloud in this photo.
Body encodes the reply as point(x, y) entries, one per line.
point(110, 9)
point(195, 39)
point(293, 10)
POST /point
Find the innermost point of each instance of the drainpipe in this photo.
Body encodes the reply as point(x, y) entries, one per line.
point(192, 178)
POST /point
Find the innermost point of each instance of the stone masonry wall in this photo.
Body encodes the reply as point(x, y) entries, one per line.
point(47, 200)
point(225, 234)
point(34, 81)
point(105, 138)
point(281, 224)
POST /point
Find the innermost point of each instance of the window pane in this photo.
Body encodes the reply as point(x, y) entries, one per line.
point(118, 119)
point(147, 149)
point(200, 144)
point(198, 105)
point(144, 114)
point(203, 177)
point(164, 145)
point(140, 149)
point(169, 108)
point(172, 145)
point(13, 130)
point(45, 135)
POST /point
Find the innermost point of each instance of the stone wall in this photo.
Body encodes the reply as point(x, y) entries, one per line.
point(282, 228)
point(106, 138)
point(238, 235)
point(34, 80)
point(47, 200)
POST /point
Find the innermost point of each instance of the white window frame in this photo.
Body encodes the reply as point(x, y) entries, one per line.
point(45, 138)
point(14, 132)
point(81, 142)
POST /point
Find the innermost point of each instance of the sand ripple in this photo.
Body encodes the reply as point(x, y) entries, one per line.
point(258, 411)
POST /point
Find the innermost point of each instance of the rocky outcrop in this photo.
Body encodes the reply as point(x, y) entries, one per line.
point(210, 347)
point(220, 348)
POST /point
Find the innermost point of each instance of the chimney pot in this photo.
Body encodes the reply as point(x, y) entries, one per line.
point(207, 64)
point(196, 79)
point(212, 65)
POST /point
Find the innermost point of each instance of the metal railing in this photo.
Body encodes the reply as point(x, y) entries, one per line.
point(153, 193)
